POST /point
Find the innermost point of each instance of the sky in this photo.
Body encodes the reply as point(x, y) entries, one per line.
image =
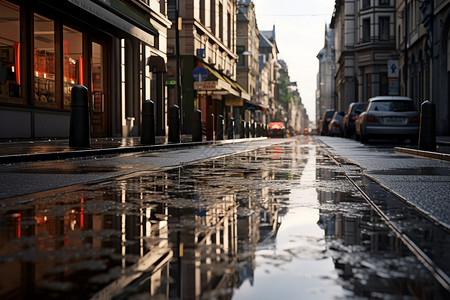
point(300, 34)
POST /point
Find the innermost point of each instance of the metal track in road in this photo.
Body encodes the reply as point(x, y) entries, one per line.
point(437, 271)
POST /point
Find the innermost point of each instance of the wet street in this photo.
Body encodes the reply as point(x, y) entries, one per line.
point(279, 222)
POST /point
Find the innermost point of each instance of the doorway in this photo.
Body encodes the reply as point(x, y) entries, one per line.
point(99, 92)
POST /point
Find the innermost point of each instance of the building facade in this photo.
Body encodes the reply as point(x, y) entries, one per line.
point(50, 46)
point(202, 50)
point(269, 70)
point(365, 43)
point(423, 53)
point(325, 93)
point(255, 109)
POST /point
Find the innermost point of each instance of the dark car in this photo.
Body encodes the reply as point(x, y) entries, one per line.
point(387, 117)
point(277, 129)
point(326, 118)
point(348, 121)
point(334, 128)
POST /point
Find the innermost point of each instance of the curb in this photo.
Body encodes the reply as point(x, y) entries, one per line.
point(21, 158)
point(428, 154)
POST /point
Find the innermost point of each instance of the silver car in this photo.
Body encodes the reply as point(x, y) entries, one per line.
point(388, 116)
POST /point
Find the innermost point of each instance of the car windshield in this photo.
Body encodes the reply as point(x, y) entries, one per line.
point(392, 106)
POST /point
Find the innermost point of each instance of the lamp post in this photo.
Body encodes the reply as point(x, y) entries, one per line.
point(177, 53)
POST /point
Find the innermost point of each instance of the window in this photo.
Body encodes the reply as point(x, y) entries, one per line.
point(366, 30)
point(44, 61)
point(213, 16)
point(384, 28)
point(228, 30)
point(10, 49)
point(384, 2)
point(202, 11)
point(221, 21)
point(365, 4)
point(73, 61)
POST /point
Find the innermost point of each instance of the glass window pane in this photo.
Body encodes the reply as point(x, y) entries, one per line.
point(73, 61)
point(10, 77)
point(44, 61)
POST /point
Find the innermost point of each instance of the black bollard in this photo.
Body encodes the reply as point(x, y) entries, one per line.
point(242, 130)
point(80, 128)
point(219, 130)
point(174, 124)
point(148, 123)
point(247, 130)
point(209, 127)
point(197, 126)
point(427, 131)
point(230, 129)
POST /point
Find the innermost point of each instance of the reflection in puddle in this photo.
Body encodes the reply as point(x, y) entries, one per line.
point(268, 223)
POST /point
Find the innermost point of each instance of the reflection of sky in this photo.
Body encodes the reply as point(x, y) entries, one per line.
point(296, 267)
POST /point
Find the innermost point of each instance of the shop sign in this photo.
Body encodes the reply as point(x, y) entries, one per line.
point(234, 102)
point(393, 86)
point(206, 85)
point(171, 82)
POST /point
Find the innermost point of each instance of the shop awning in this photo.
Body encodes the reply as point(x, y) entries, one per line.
point(219, 82)
point(215, 82)
point(251, 105)
point(121, 16)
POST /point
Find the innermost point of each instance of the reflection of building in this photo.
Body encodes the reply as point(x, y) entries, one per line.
point(50, 46)
point(91, 243)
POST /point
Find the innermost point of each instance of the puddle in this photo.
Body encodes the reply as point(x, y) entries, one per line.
point(269, 223)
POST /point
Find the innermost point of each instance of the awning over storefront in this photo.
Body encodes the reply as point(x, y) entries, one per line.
point(215, 82)
point(119, 15)
point(250, 105)
point(221, 84)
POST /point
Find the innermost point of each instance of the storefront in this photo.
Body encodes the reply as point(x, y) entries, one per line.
point(47, 47)
point(217, 94)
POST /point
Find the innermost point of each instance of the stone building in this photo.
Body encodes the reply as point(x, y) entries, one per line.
point(364, 46)
point(423, 52)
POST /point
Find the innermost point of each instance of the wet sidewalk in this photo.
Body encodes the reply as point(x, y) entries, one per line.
point(53, 149)
point(421, 179)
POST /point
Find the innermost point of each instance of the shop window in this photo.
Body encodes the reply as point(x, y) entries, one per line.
point(73, 61)
point(44, 61)
point(10, 49)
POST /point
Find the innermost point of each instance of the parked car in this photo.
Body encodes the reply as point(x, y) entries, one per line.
point(326, 118)
point(334, 128)
point(277, 129)
point(387, 117)
point(348, 121)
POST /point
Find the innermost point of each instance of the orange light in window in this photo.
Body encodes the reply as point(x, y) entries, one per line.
point(17, 62)
point(80, 70)
point(82, 213)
